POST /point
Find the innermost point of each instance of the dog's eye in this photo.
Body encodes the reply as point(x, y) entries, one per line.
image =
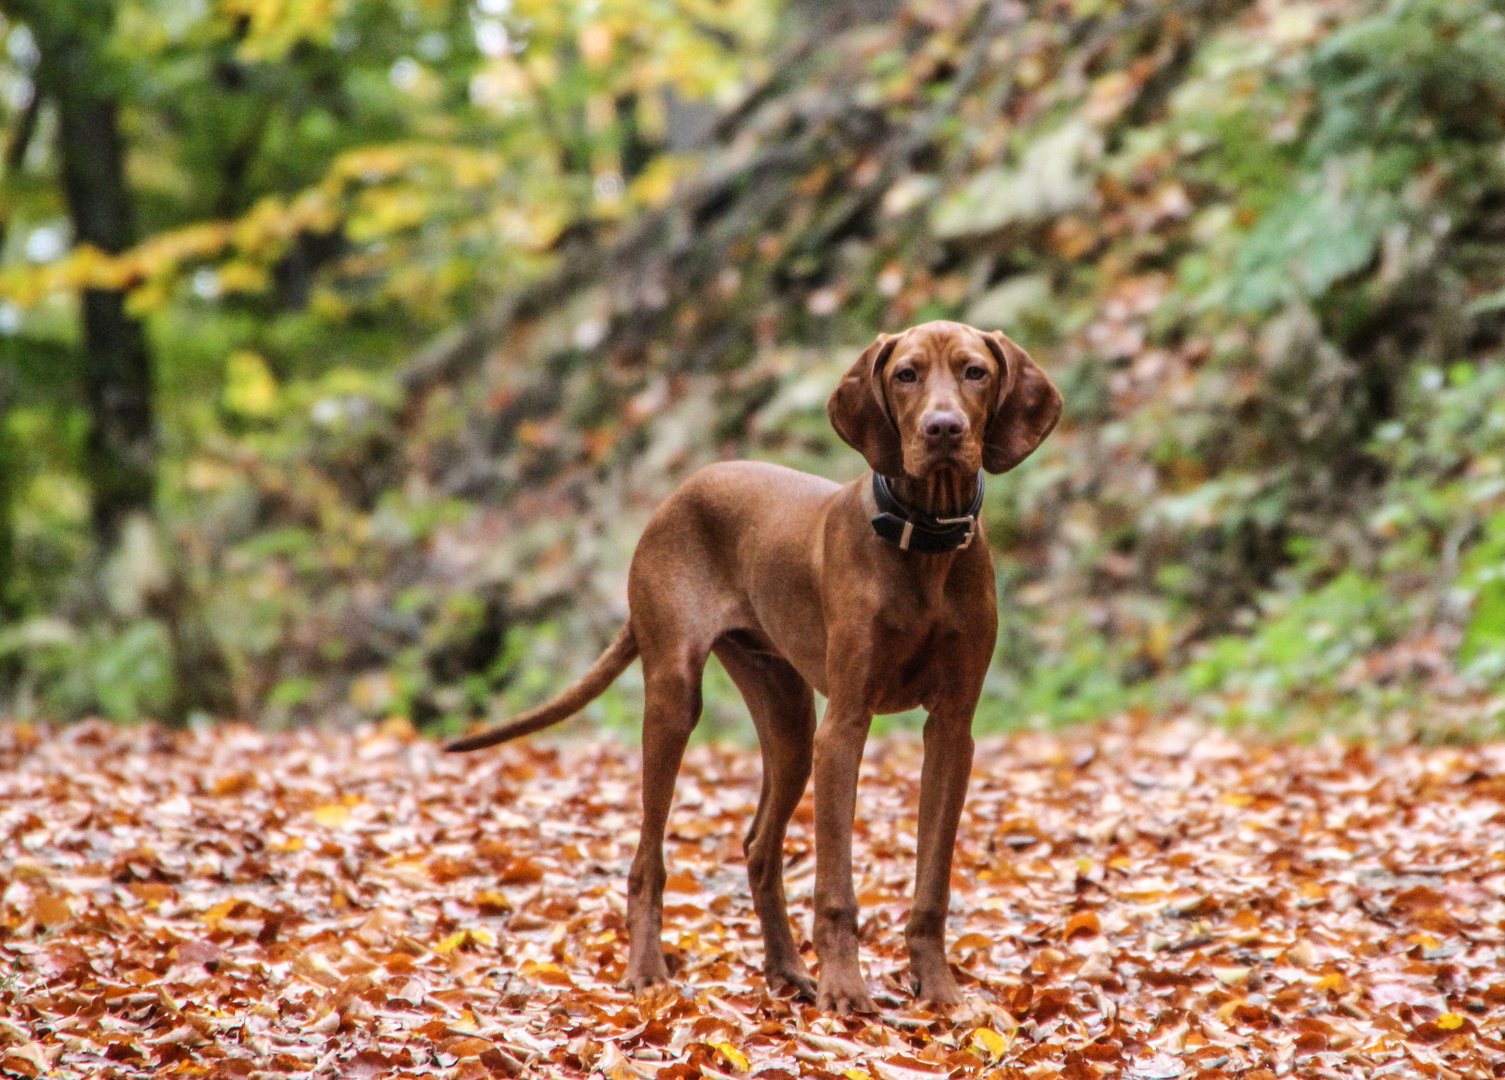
point(976, 372)
point(906, 375)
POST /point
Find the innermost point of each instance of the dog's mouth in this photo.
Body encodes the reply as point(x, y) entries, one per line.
point(963, 458)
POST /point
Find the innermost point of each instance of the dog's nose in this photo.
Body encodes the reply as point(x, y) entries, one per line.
point(944, 426)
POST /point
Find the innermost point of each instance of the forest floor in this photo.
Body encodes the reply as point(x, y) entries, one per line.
point(1139, 900)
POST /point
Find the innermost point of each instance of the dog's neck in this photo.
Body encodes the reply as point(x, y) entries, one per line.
point(941, 493)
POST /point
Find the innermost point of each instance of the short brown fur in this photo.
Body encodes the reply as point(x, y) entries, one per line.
point(781, 575)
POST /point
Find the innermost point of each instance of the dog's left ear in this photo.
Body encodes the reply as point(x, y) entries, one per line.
point(1027, 407)
point(859, 410)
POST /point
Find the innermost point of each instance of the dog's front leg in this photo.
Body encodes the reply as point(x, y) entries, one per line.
point(943, 789)
point(838, 754)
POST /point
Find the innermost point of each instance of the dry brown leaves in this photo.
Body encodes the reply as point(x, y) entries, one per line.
point(1149, 904)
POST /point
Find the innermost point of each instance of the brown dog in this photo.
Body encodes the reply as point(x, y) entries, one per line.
point(876, 595)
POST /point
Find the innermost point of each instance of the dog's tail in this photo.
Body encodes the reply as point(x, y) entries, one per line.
point(621, 652)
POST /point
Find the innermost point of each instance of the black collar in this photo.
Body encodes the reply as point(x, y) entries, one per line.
point(915, 530)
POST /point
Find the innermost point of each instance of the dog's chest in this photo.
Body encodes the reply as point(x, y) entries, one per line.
point(914, 668)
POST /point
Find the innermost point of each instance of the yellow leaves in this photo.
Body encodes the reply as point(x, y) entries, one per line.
point(1332, 982)
point(1083, 924)
point(250, 390)
point(1313, 892)
point(1448, 1028)
point(599, 442)
point(541, 68)
point(371, 165)
point(241, 276)
point(655, 184)
point(398, 727)
point(546, 972)
point(83, 268)
point(992, 1044)
point(386, 211)
point(331, 815)
point(470, 938)
point(219, 911)
point(490, 902)
point(732, 1056)
point(336, 815)
point(165, 252)
point(275, 26)
point(375, 192)
point(150, 269)
point(328, 305)
point(446, 176)
point(94, 269)
point(226, 910)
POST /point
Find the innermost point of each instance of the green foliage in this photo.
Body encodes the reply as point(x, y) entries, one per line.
point(1311, 238)
point(1439, 519)
point(124, 675)
point(1418, 74)
point(321, 187)
point(1334, 152)
point(1301, 645)
point(1258, 250)
point(1077, 679)
point(1484, 638)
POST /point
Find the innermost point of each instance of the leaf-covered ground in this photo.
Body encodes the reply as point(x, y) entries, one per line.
point(1146, 902)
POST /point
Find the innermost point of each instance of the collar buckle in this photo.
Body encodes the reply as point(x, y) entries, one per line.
point(910, 529)
point(971, 529)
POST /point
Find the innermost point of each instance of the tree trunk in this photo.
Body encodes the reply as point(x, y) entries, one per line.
point(121, 451)
point(78, 74)
point(75, 72)
point(7, 499)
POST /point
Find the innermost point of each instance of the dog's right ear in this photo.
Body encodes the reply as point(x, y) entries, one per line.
point(859, 410)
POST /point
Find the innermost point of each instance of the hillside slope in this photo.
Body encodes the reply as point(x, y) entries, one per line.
point(1258, 246)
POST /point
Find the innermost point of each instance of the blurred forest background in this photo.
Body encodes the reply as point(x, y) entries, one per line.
point(346, 345)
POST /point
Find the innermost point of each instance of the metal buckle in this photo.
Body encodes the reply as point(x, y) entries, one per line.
point(971, 528)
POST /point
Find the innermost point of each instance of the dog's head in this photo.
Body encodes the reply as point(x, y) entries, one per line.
point(943, 395)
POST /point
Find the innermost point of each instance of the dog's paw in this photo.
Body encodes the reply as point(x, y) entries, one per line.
point(644, 977)
point(843, 996)
point(934, 984)
point(785, 981)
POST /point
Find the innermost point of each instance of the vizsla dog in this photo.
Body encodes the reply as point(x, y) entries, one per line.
point(877, 594)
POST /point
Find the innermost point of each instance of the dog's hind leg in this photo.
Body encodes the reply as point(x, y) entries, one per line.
point(671, 709)
point(783, 711)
